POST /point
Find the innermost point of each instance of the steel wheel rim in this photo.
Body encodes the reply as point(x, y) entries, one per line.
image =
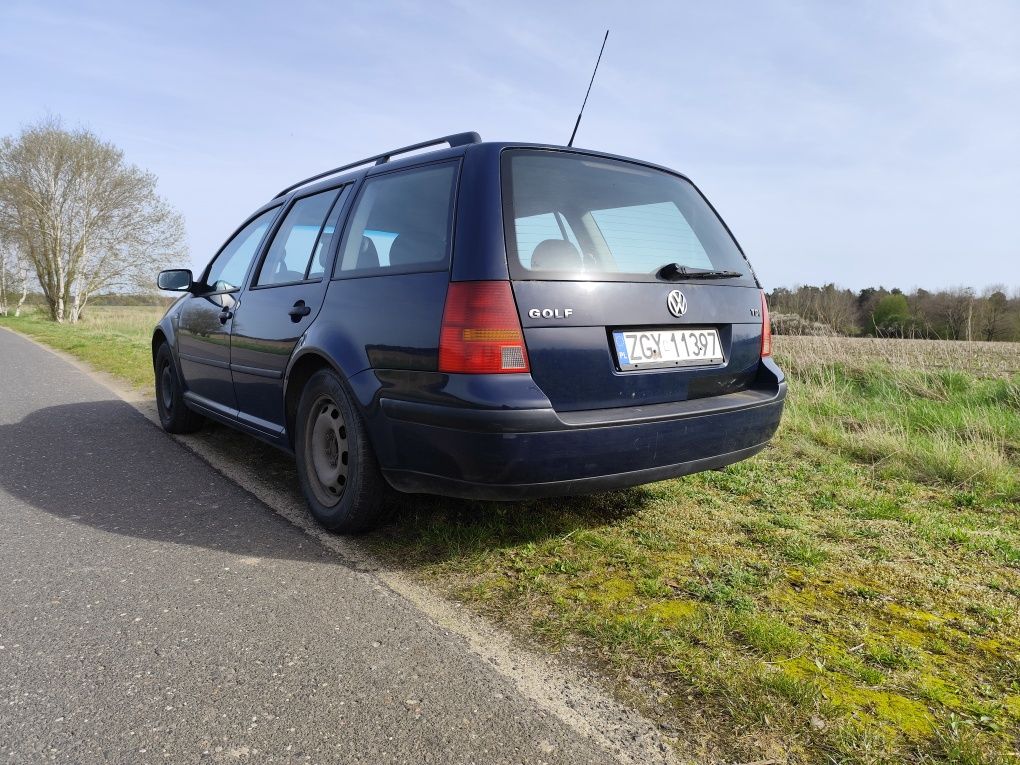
point(327, 451)
point(166, 388)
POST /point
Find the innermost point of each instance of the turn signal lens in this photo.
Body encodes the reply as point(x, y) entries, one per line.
point(766, 328)
point(481, 331)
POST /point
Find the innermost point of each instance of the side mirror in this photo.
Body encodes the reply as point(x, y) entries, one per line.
point(174, 280)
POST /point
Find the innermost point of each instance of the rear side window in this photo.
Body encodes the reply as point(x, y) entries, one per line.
point(291, 254)
point(574, 217)
point(401, 222)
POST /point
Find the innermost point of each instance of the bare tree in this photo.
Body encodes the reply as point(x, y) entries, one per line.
point(837, 308)
point(85, 220)
point(992, 313)
point(827, 306)
point(955, 308)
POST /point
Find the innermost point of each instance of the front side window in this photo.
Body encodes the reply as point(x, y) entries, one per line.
point(226, 272)
point(574, 217)
point(297, 241)
point(401, 222)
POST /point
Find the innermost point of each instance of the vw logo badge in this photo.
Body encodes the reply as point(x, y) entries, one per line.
point(677, 303)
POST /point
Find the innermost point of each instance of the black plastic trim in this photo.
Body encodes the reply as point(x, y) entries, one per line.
point(274, 374)
point(208, 362)
point(414, 483)
point(454, 140)
point(542, 420)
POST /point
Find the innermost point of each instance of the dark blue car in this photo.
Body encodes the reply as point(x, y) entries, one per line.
point(485, 320)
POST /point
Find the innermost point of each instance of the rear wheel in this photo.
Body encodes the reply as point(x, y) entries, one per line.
point(339, 474)
point(174, 415)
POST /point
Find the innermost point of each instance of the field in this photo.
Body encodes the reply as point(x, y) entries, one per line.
point(849, 595)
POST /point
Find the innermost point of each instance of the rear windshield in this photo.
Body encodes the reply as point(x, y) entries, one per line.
point(574, 217)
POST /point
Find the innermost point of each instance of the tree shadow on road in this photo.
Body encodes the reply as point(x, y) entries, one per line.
point(100, 463)
point(427, 529)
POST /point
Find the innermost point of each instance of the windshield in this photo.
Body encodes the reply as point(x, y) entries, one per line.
point(575, 217)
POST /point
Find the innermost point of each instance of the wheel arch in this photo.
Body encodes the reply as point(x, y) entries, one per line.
point(164, 333)
point(301, 369)
point(158, 338)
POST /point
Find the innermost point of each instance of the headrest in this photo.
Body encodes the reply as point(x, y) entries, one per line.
point(555, 255)
point(324, 242)
point(368, 256)
point(413, 247)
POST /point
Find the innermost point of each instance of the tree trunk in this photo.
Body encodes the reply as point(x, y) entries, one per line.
point(3, 284)
point(58, 307)
point(24, 291)
point(75, 309)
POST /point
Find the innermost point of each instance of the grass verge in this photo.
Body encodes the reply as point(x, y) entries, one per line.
point(849, 595)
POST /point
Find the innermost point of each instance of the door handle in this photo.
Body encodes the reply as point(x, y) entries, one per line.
point(226, 315)
point(299, 311)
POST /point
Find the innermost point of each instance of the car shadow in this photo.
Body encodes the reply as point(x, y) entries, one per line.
point(101, 463)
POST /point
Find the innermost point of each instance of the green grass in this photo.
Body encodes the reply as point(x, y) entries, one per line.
point(850, 595)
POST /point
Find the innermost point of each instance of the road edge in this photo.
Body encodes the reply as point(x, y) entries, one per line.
point(576, 700)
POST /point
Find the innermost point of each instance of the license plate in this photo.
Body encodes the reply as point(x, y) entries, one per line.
point(657, 348)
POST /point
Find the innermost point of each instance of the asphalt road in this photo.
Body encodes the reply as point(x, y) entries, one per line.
point(153, 611)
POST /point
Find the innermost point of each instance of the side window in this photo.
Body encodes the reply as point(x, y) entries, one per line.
point(289, 257)
point(320, 256)
point(401, 222)
point(227, 271)
point(535, 229)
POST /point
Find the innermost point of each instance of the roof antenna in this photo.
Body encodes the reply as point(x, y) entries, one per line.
point(571, 141)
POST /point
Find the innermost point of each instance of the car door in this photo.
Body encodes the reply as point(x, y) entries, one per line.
point(283, 297)
point(204, 325)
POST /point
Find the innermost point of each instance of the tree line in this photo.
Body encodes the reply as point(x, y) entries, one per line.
point(77, 220)
point(960, 313)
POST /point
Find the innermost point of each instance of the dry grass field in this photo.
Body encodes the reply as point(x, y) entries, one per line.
point(978, 358)
point(850, 595)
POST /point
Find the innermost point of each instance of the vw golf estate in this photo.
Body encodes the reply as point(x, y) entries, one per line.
point(484, 320)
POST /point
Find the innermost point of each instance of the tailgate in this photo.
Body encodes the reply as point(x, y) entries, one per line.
point(574, 330)
point(629, 287)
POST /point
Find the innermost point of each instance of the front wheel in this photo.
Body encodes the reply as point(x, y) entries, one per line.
point(337, 468)
point(174, 415)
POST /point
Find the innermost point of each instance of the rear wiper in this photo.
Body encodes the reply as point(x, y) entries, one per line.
point(676, 272)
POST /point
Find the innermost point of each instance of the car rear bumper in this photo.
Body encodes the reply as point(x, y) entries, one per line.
point(505, 454)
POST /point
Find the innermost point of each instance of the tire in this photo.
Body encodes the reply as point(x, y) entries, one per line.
point(174, 415)
point(339, 475)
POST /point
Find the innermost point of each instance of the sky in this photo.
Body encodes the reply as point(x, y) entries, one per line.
point(863, 143)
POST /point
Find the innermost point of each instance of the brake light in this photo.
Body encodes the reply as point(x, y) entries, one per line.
point(481, 331)
point(766, 328)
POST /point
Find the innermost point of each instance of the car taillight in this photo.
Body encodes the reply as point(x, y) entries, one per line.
point(481, 331)
point(766, 328)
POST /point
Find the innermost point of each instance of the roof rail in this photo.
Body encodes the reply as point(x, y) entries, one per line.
point(457, 139)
